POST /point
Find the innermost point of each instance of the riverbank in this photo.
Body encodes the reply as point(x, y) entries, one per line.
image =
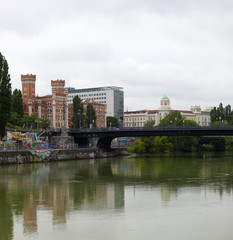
point(45, 155)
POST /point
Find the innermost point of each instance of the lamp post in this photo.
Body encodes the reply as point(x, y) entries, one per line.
point(161, 119)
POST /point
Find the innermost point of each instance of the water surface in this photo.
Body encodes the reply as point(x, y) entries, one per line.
point(161, 197)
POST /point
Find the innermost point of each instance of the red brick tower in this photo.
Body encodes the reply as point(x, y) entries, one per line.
point(28, 90)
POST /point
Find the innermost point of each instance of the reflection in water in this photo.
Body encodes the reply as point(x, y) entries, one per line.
point(100, 185)
point(6, 218)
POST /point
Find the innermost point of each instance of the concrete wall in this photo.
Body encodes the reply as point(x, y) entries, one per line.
point(32, 156)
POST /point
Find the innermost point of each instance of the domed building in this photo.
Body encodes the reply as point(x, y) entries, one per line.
point(165, 103)
point(140, 117)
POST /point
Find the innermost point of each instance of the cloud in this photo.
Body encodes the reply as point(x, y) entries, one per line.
point(182, 49)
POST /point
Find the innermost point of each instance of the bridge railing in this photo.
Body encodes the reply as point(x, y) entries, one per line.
point(149, 128)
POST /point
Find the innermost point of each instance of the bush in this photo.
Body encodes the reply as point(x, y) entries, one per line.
point(207, 147)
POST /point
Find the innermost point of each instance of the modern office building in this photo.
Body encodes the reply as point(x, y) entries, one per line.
point(138, 118)
point(112, 96)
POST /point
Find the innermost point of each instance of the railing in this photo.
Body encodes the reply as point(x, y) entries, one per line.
point(110, 129)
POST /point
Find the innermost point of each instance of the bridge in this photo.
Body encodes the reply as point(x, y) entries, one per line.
point(105, 136)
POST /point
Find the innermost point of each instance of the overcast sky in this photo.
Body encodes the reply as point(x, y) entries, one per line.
point(179, 48)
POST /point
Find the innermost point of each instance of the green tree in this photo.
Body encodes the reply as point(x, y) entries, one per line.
point(181, 143)
point(17, 114)
point(213, 115)
point(17, 103)
point(139, 147)
point(90, 116)
point(219, 144)
point(5, 94)
point(149, 142)
point(44, 123)
point(78, 112)
point(162, 144)
point(149, 123)
point(174, 118)
point(221, 115)
point(15, 120)
point(227, 111)
point(112, 122)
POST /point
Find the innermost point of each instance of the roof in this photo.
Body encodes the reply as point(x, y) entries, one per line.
point(136, 112)
point(73, 90)
point(165, 97)
point(152, 111)
point(184, 111)
point(155, 111)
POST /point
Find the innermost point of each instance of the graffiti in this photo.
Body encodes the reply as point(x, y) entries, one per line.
point(92, 155)
point(40, 155)
point(65, 156)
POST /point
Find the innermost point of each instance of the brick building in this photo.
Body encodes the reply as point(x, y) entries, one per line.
point(100, 110)
point(53, 107)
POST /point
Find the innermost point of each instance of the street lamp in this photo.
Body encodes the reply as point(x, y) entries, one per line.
point(161, 119)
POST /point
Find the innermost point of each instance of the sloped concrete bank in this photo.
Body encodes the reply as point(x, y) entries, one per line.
point(45, 155)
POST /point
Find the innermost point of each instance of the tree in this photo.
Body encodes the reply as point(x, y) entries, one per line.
point(174, 118)
point(112, 122)
point(149, 142)
point(139, 147)
point(78, 112)
point(17, 114)
point(15, 120)
point(44, 123)
point(90, 116)
point(213, 115)
point(149, 123)
point(17, 103)
point(5, 94)
point(181, 143)
point(227, 111)
point(221, 115)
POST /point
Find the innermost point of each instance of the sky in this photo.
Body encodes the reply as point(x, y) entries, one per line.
point(182, 49)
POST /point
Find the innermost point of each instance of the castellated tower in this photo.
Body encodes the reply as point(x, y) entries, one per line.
point(58, 86)
point(59, 104)
point(28, 90)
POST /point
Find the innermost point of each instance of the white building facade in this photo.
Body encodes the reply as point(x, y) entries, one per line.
point(112, 96)
point(139, 118)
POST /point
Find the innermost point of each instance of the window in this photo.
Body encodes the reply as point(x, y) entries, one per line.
point(25, 96)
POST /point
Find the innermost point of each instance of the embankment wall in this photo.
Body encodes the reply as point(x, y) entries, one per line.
point(45, 155)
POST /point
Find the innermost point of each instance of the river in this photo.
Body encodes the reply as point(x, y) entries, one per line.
point(168, 197)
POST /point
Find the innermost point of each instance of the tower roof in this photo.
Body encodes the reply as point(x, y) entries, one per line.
point(165, 97)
